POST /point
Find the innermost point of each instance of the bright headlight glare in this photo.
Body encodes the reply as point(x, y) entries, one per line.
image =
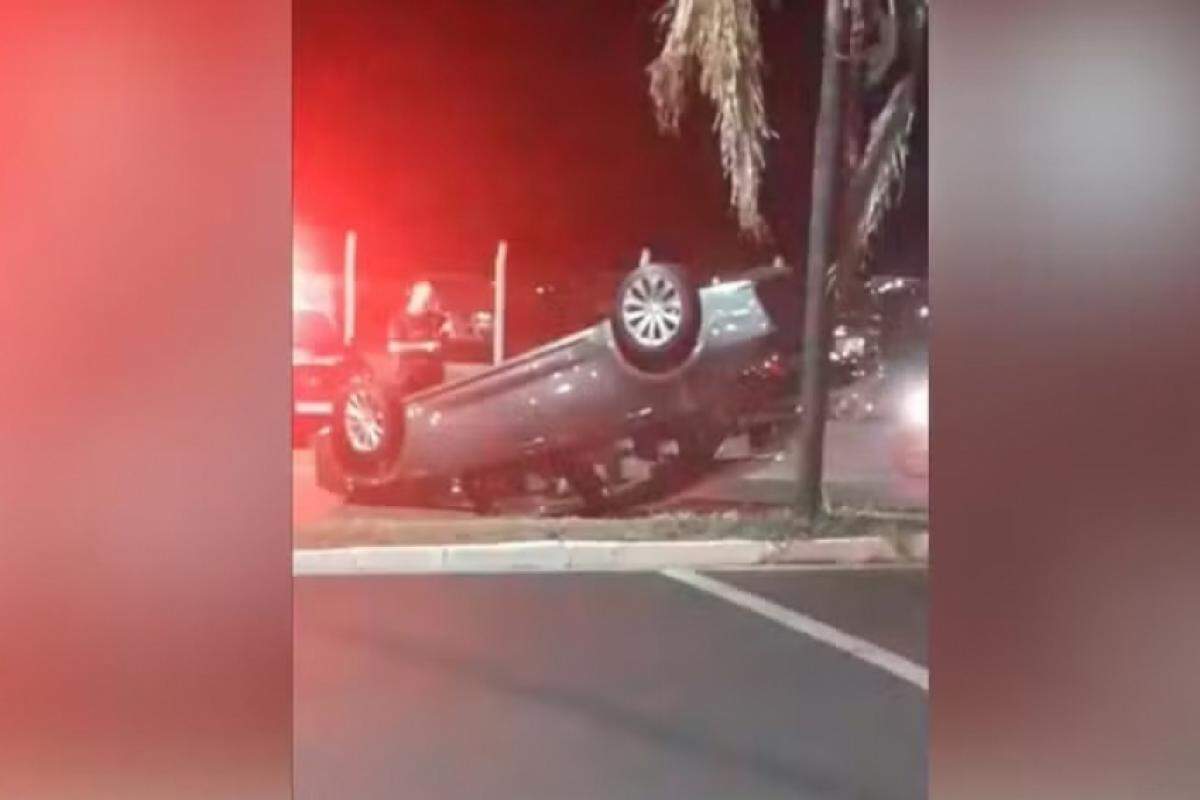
point(916, 406)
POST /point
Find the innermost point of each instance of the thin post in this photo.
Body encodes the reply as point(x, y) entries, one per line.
point(499, 302)
point(348, 284)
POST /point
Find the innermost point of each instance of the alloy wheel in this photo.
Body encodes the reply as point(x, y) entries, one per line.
point(652, 310)
point(364, 422)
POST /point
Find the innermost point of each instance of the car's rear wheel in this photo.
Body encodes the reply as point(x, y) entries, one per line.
point(656, 322)
point(368, 429)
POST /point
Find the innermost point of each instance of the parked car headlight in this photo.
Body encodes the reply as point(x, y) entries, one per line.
point(916, 406)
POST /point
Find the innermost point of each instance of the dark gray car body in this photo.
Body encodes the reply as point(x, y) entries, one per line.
point(576, 393)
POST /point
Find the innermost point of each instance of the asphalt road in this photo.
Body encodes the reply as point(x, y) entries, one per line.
point(859, 472)
point(604, 686)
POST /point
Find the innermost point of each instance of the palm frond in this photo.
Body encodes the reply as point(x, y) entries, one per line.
point(671, 71)
point(720, 38)
point(878, 183)
point(882, 55)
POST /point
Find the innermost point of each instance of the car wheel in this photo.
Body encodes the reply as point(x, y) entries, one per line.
point(657, 318)
point(368, 429)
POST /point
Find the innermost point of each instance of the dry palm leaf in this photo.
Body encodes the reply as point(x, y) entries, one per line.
point(878, 183)
point(720, 39)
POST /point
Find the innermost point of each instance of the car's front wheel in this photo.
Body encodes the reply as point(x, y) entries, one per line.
point(368, 429)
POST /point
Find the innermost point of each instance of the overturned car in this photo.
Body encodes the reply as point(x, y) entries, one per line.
point(673, 370)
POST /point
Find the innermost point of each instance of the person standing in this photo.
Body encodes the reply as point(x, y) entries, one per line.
point(415, 340)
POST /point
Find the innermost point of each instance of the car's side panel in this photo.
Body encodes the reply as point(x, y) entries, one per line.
point(736, 331)
point(488, 419)
point(579, 392)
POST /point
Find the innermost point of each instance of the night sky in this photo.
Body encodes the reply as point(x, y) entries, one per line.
point(435, 129)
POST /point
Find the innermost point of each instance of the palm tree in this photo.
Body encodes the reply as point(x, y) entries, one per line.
point(720, 39)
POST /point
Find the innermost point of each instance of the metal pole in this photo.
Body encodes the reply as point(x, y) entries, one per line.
point(822, 241)
point(498, 317)
point(645, 259)
point(349, 291)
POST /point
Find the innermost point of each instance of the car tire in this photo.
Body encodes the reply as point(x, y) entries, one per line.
point(656, 317)
point(367, 429)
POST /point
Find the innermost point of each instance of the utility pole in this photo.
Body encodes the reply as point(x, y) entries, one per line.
point(498, 285)
point(349, 257)
point(822, 241)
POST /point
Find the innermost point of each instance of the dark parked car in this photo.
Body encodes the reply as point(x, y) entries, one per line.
point(874, 353)
point(321, 366)
point(672, 365)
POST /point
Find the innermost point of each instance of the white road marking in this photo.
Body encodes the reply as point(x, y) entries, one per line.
point(870, 566)
point(861, 649)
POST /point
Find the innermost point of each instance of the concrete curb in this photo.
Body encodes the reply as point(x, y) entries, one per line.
point(605, 556)
point(380, 528)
